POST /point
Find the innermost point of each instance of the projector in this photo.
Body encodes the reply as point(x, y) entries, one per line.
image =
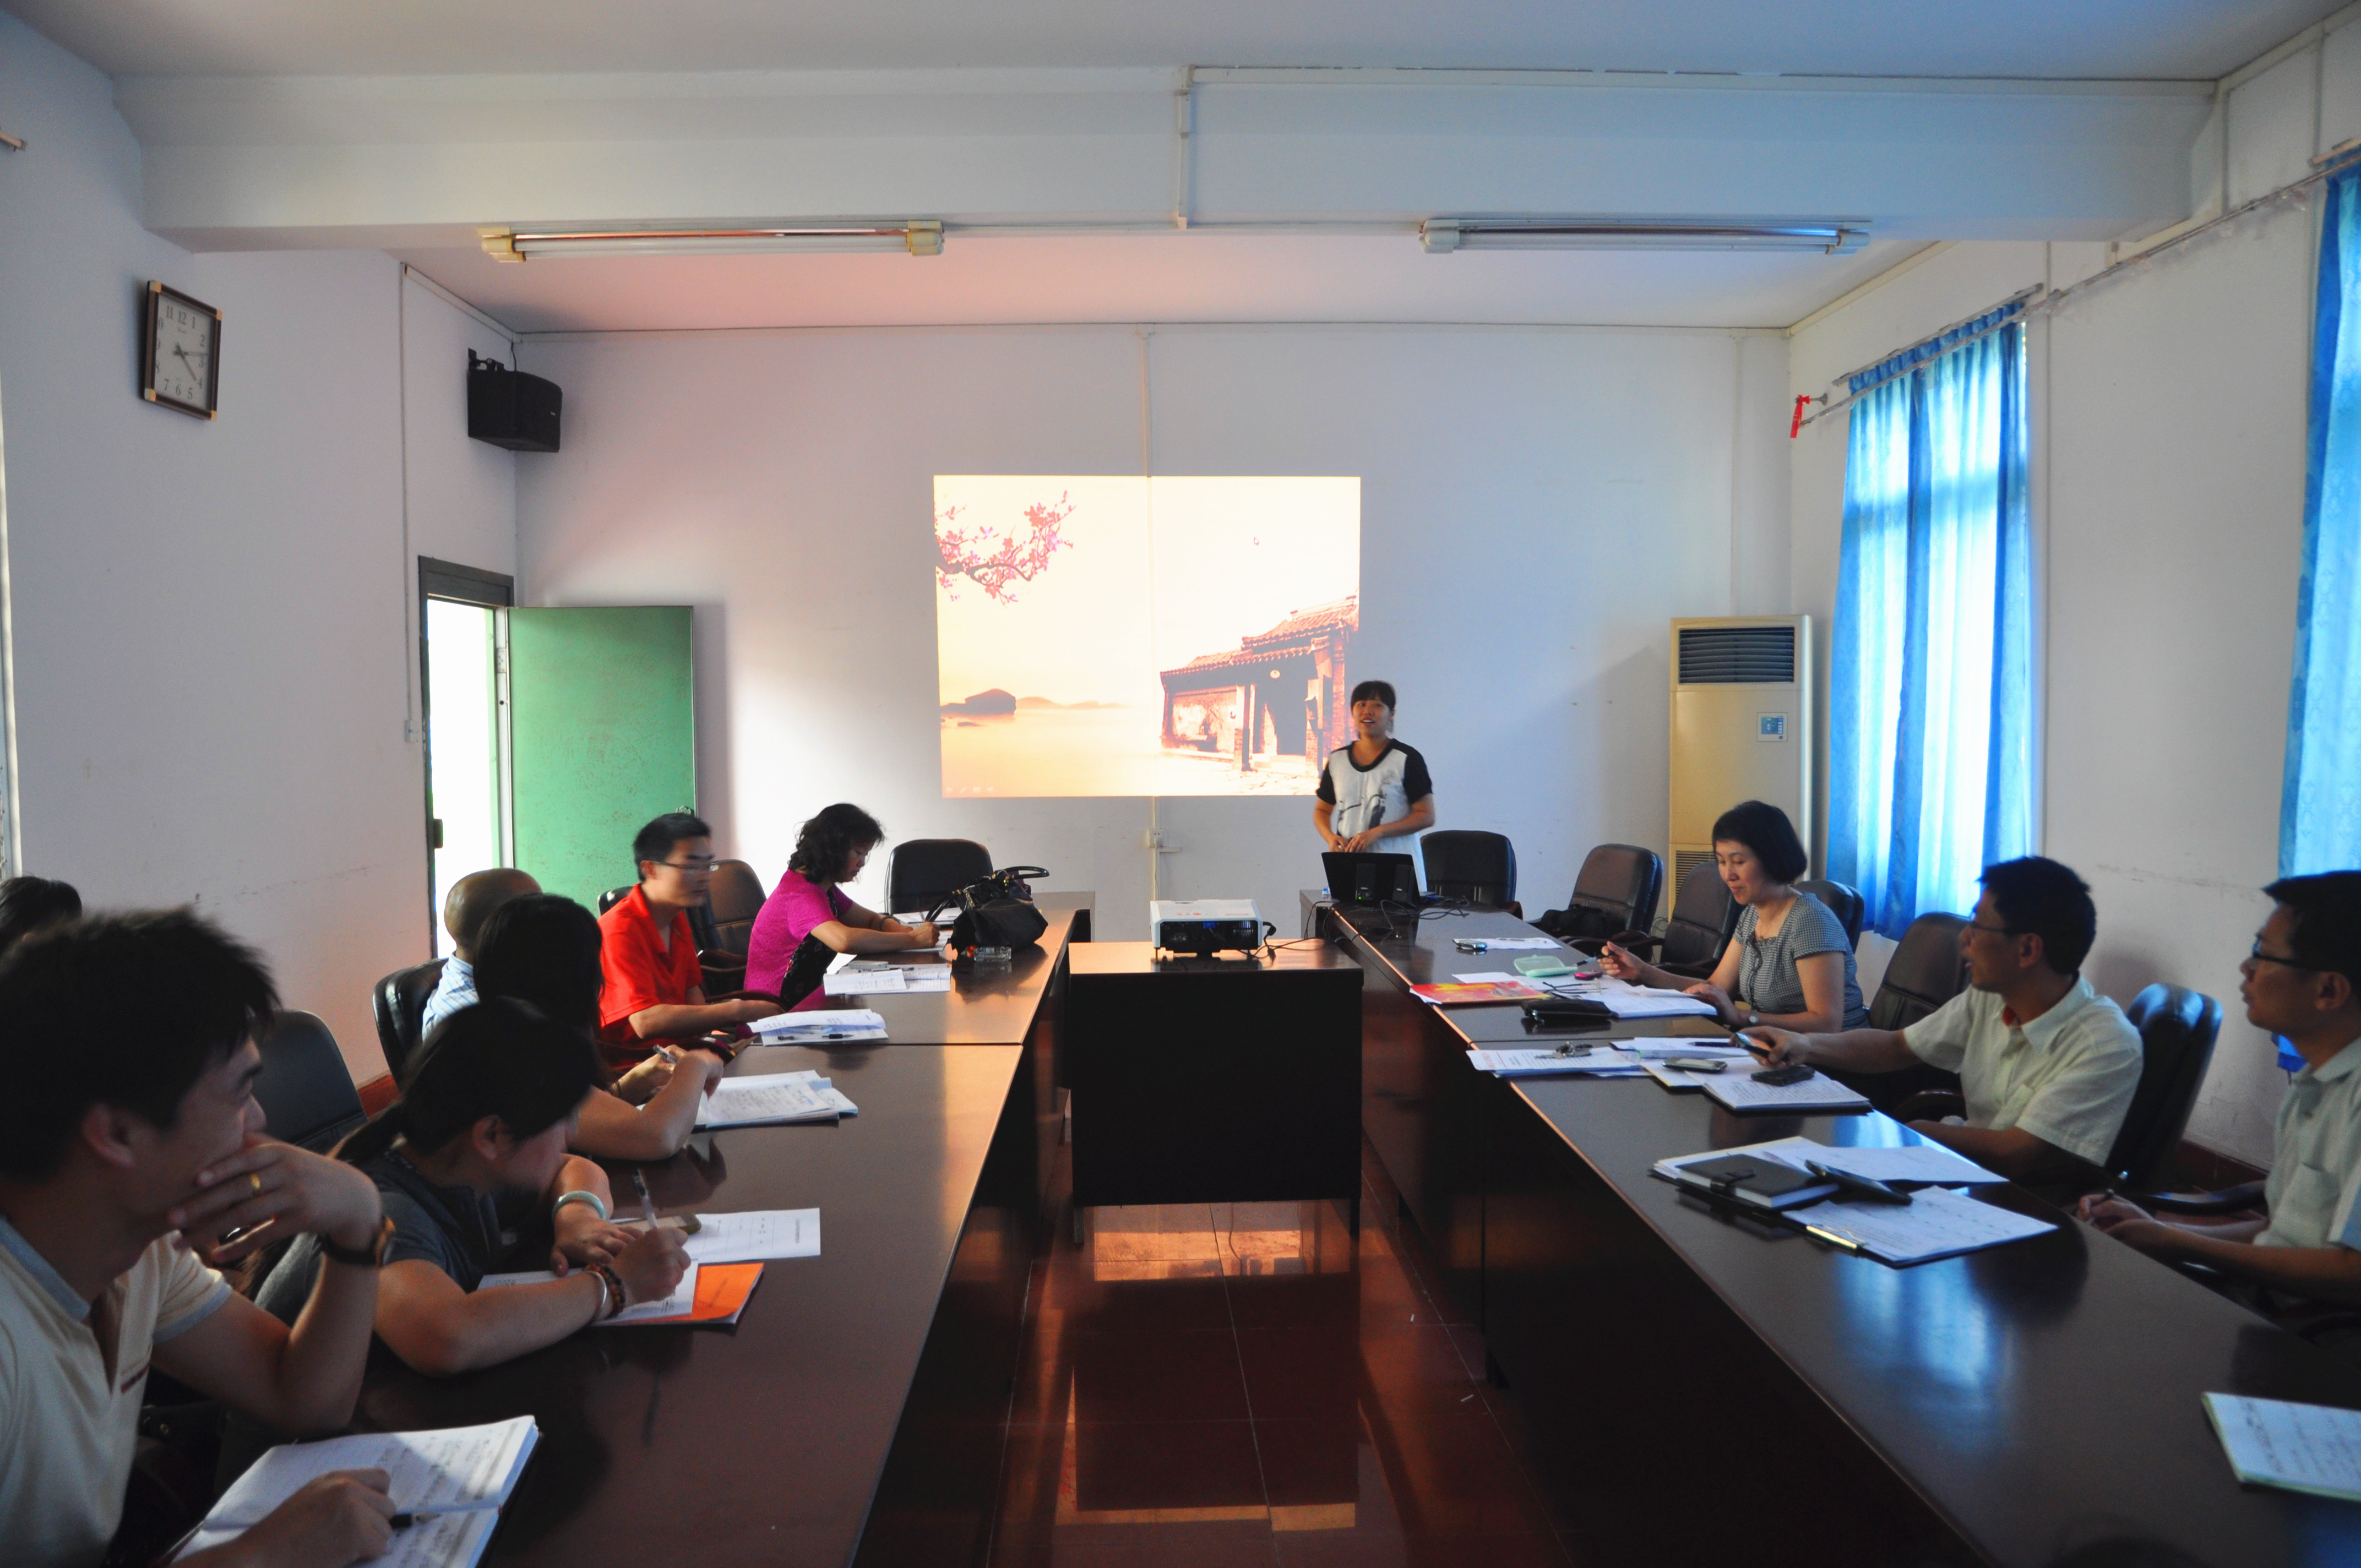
point(1205, 925)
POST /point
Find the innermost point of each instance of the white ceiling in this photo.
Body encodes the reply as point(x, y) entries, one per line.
point(2117, 39)
point(1193, 277)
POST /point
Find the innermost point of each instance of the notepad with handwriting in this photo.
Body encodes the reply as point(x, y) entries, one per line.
point(1740, 1091)
point(454, 1480)
point(766, 1099)
point(2314, 1449)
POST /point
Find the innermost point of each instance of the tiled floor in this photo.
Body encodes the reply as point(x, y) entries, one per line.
point(1241, 1383)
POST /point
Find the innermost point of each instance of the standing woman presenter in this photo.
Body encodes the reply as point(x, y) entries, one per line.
point(1376, 788)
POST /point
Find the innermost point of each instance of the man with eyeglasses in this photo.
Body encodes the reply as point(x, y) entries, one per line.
point(2046, 1064)
point(655, 989)
point(2301, 981)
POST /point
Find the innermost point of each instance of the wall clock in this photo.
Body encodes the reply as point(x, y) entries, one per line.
point(179, 353)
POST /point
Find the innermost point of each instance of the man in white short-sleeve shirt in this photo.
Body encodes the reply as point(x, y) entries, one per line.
point(2047, 1066)
point(126, 1154)
point(2302, 982)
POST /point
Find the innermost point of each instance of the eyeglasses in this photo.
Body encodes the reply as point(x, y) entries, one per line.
point(692, 866)
point(1996, 930)
point(2257, 954)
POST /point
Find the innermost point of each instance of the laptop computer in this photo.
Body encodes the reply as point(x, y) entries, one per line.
point(1370, 878)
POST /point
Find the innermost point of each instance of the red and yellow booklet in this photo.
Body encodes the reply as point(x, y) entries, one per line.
point(723, 1289)
point(1452, 993)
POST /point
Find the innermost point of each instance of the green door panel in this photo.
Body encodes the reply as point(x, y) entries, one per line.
point(603, 736)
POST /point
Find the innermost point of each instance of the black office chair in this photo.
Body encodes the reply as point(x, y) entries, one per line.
point(2178, 1028)
point(923, 873)
point(399, 1005)
point(1844, 903)
point(1926, 970)
point(1478, 867)
point(614, 895)
point(1614, 898)
point(736, 899)
point(306, 1090)
point(1703, 916)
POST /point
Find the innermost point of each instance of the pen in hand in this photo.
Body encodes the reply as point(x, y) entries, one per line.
point(647, 1205)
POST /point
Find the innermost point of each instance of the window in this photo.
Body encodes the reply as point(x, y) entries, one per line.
point(2320, 805)
point(462, 644)
point(1930, 734)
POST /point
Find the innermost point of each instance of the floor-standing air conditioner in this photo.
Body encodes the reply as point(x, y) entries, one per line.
point(1742, 728)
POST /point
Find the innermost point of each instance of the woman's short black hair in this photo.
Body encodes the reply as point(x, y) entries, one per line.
point(543, 948)
point(1382, 690)
point(656, 841)
point(1765, 829)
point(829, 838)
point(2038, 897)
point(29, 902)
point(2327, 907)
point(126, 1009)
point(500, 1057)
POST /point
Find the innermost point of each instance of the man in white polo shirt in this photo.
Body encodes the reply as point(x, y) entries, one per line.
point(2303, 982)
point(129, 1135)
point(2047, 1066)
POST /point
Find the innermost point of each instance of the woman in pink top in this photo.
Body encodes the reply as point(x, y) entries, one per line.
point(807, 919)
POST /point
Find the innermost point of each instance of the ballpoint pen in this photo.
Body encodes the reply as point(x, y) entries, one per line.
point(647, 1205)
point(1832, 1238)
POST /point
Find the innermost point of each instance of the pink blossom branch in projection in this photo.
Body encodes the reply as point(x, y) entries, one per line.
point(995, 561)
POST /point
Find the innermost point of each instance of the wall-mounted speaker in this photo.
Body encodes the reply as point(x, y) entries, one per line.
point(511, 408)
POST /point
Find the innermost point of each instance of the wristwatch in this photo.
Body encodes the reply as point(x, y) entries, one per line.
point(369, 1257)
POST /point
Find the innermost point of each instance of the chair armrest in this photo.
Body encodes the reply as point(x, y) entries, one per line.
point(1624, 940)
point(2229, 1200)
point(1930, 1105)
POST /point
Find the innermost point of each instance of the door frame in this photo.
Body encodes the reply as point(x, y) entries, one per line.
point(452, 581)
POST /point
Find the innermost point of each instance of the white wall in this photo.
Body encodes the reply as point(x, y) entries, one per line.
point(2168, 410)
point(1536, 506)
point(214, 642)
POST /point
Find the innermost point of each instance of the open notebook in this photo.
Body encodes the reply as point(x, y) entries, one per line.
point(453, 1484)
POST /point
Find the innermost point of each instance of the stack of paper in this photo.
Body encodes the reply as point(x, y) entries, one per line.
point(819, 1025)
point(1936, 1221)
point(1741, 1091)
point(1602, 1058)
point(452, 1481)
point(1654, 1053)
point(892, 981)
point(751, 1236)
point(1516, 944)
point(766, 1099)
point(1628, 1001)
point(2299, 1448)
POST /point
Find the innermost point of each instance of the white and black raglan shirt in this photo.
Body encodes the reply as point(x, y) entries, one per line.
point(1368, 797)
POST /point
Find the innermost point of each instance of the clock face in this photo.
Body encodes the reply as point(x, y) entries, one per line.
point(183, 338)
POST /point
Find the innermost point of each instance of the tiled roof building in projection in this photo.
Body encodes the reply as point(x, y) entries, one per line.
point(1281, 693)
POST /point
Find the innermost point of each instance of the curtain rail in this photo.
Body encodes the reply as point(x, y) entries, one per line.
point(2046, 300)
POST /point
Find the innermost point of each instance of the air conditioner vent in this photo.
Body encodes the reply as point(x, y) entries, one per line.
point(1737, 655)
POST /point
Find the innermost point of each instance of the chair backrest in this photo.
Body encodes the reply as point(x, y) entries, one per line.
point(1466, 863)
point(1624, 883)
point(1843, 902)
point(2178, 1028)
point(614, 895)
point(736, 899)
point(922, 872)
point(1704, 915)
point(398, 1002)
point(306, 1090)
point(1925, 971)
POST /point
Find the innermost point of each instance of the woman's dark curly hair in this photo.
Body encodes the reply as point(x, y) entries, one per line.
point(827, 840)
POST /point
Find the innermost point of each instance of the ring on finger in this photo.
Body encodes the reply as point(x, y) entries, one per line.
point(255, 1177)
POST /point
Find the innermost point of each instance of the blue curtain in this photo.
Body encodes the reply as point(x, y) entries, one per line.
point(2320, 805)
point(1931, 701)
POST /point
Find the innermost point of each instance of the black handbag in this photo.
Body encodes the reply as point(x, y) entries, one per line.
point(997, 911)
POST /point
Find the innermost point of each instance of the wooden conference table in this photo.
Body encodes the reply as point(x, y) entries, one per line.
point(1713, 1390)
point(852, 1414)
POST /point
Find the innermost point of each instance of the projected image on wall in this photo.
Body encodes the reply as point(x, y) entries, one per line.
point(1102, 635)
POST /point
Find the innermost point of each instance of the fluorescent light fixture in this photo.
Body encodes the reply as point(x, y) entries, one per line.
point(917, 237)
point(1440, 236)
